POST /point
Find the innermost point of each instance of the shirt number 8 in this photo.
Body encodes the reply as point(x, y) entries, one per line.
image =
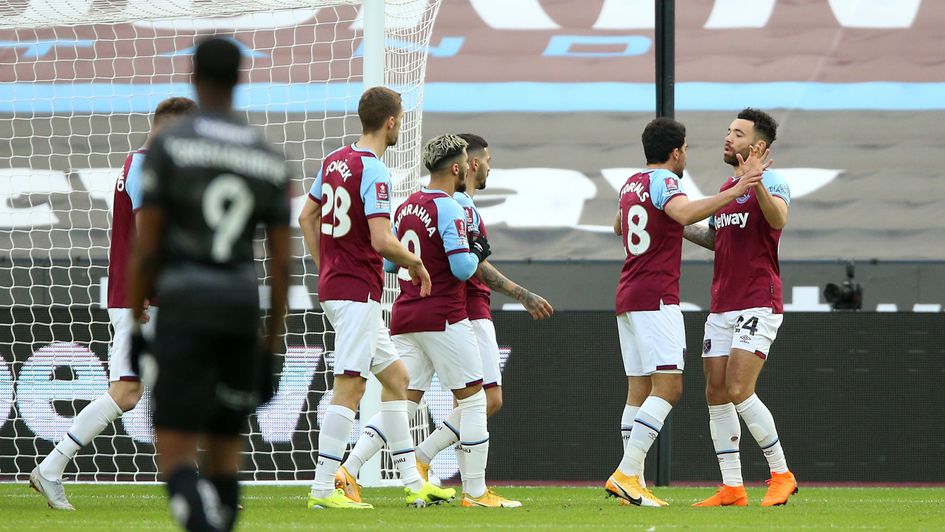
point(636, 227)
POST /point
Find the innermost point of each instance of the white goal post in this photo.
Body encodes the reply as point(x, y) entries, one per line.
point(78, 82)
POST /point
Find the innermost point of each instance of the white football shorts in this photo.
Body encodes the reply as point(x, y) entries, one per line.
point(119, 352)
point(362, 340)
point(652, 341)
point(452, 353)
point(488, 351)
point(752, 330)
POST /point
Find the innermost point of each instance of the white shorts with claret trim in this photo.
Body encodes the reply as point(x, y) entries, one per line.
point(488, 351)
point(752, 330)
point(362, 341)
point(452, 353)
point(119, 352)
point(652, 341)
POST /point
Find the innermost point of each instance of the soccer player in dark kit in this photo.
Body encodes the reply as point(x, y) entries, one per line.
point(208, 182)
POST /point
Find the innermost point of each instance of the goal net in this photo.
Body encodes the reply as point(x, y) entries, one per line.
point(79, 80)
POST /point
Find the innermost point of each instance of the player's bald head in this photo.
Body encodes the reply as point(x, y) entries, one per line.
point(442, 151)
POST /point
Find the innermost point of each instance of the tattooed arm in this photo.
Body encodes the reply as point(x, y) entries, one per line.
point(702, 235)
point(533, 303)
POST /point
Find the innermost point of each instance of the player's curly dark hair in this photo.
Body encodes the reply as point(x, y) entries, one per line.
point(660, 137)
point(766, 128)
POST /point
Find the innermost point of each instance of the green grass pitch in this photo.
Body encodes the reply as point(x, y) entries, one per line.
point(143, 507)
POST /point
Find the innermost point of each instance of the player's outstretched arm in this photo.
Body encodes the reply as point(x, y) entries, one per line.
point(386, 244)
point(687, 212)
point(700, 234)
point(310, 221)
point(537, 306)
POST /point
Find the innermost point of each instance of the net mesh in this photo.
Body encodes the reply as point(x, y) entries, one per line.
point(78, 81)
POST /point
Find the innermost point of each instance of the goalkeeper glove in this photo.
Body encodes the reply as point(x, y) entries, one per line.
point(479, 247)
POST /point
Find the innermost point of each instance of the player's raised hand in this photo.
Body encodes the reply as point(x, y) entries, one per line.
point(757, 161)
point(420, 276)
point(537, 306)
point(752, 169)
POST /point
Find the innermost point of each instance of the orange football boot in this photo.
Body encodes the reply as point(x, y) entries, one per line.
point(727, 496)
point(345, 481)
point(780, 487)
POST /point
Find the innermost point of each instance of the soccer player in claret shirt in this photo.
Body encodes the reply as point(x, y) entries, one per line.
point(478, 295)
point(124, 389)
point(653, 210)
point(747, 309)
point(209, 182)
point(346, 225)
point(434, 333)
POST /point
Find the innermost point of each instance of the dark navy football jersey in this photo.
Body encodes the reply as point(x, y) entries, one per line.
point(216, 179)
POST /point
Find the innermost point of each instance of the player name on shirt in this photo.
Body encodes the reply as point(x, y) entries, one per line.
point(237, 158)
point(341, 167)
point(637, 188)
point(412, 209)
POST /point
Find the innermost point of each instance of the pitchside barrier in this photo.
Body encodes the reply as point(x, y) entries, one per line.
point(857, 397)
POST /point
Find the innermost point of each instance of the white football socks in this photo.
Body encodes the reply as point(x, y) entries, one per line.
point(474, 439)
point(726, 432)
point(626, 423)
point(88, 424)
point(443, 437)
point(626, 427)
point(332, 443)
point(761, 425)
point(646, 427)
point(397, 426)
point(369, 443)
point(461, 460)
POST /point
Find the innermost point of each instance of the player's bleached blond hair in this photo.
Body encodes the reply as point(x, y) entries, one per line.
point(439, 151)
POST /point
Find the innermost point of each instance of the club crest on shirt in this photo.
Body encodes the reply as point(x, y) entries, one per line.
point(741, 200)
point(672, 184)
point(383, 193)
